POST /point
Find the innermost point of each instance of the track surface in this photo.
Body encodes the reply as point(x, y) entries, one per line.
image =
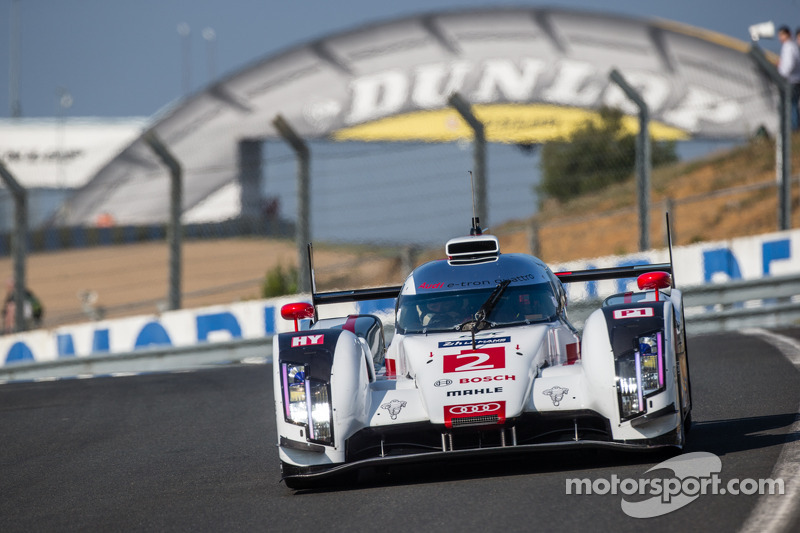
point(195, 451)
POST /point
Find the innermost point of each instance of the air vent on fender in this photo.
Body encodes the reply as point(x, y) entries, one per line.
point(472, 250)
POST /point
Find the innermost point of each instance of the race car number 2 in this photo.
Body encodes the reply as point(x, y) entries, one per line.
point(488, 358)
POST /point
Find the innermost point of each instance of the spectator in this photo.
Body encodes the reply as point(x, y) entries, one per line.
point(789, 68)
point(33, 311)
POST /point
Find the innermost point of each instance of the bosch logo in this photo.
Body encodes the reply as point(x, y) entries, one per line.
point(473, 409)
point(443, 383)
point(484, 379)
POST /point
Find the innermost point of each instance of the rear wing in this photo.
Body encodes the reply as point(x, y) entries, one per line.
point(598, 274)
point(355, 295)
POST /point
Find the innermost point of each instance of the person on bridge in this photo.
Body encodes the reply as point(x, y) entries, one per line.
point(789, 68)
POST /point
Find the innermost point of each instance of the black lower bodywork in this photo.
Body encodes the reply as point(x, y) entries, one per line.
point(424, 442)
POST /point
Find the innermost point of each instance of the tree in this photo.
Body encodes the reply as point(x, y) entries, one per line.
point(278, 282)
point(596, 156)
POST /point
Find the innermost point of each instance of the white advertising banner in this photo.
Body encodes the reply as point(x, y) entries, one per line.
point(699, 264)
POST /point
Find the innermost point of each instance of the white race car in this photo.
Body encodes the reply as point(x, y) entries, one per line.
point(483, 361)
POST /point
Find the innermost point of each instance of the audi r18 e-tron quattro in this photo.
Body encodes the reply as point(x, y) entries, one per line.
point(483, 361)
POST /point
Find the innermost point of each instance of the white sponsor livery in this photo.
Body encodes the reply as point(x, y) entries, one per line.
point(633, 313)
point(482, 360)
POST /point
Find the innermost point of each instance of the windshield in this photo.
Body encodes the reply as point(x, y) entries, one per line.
point(447, 311)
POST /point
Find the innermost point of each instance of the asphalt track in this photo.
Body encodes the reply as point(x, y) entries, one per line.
point(195, 451)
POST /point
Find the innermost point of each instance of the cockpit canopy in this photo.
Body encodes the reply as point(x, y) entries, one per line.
point(440, 296)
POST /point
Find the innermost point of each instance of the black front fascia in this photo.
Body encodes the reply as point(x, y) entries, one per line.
point(624, 333)
point(318, 357)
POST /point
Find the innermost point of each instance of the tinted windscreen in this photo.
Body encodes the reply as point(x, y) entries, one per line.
point(446, 311)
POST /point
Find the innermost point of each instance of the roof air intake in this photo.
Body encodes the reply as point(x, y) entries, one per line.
point(472, 250)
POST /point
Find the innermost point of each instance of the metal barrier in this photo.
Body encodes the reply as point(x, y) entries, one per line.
point(767, 302)
point(146, 360)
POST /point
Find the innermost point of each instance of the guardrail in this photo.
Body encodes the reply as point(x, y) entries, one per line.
point(146, 360)
point(773, 301)
point(768, 302)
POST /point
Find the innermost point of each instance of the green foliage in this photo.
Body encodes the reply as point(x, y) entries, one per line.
point(278, 282)
point(595, 157)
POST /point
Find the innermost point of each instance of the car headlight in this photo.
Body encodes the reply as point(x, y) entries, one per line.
point(652, 363)
point(307, 402)
point(640, 373)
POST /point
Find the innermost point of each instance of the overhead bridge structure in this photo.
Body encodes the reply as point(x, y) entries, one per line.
point(531, 75)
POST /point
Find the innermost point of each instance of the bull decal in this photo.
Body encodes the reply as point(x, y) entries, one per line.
point(394, 407)
point(556, 394)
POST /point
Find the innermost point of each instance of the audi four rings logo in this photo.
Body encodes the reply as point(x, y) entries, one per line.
point(473, 409)
point(443, 383)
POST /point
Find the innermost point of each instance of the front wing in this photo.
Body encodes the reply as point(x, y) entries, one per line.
point(326, 471)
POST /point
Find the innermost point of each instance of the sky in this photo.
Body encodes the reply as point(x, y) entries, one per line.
point(122, 59)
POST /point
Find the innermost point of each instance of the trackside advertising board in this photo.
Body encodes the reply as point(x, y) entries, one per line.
point(716, 262)
point(745, 258)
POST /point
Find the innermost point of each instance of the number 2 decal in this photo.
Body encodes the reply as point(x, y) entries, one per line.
point(476, 364)
point(488, 358)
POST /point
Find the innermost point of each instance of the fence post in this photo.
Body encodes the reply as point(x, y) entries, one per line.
point(174, 227)
point(302, 230)
point(783, 140)
point(18, 244)
point(249, 176)
point(643, 161)
point(408, 256)
point(479, 155)
point(534, 242)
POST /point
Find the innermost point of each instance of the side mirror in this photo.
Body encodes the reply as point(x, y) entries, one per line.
point(654, 280)
point(297, 311)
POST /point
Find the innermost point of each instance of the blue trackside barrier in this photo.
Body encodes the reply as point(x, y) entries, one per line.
point(79, 237)
point(128, 234)
point(52, 239)
point(104, 236)
point(156, 233)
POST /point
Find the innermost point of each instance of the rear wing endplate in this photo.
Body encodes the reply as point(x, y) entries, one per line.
point(623, 271)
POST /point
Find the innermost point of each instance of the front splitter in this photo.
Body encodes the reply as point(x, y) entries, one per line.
point(424, 457)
